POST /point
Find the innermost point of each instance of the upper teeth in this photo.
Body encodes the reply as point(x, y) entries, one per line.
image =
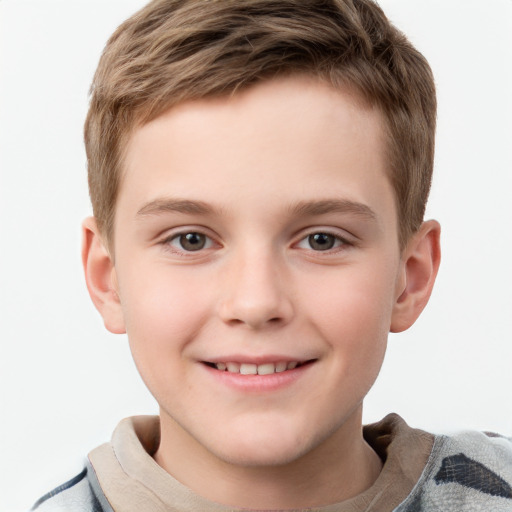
point(256, 369)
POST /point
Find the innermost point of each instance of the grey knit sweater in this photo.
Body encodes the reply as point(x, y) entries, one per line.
point(468, 472)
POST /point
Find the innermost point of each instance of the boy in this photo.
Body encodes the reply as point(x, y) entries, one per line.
point(258, 173)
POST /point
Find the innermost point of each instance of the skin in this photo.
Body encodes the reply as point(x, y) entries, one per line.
point(256, 176)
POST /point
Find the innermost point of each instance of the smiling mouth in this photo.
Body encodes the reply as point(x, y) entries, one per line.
point(258, 369)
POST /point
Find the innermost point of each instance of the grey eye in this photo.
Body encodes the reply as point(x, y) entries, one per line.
point(192, 241)
point(321, 241)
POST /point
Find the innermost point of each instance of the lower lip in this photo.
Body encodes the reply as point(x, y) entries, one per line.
point(259, 383)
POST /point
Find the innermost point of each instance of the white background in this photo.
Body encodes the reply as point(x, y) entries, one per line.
point(65, 381)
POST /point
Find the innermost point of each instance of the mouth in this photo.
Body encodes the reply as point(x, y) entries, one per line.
point(257, 369)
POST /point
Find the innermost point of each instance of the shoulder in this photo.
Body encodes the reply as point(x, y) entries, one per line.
point(470, 471)
point(80, 494)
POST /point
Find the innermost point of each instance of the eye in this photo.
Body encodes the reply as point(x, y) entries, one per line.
point(190, 242)
point(321, 242)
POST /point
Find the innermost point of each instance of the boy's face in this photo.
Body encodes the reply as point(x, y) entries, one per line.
point(251, 232)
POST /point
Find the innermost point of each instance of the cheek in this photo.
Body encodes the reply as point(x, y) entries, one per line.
point(353, 297)
point(162, 312)
point(353, 312)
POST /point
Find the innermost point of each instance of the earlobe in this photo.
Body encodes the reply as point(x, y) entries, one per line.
point(420, 263)
point(100, 277)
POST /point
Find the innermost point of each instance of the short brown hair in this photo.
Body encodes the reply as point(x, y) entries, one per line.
point(177, 50)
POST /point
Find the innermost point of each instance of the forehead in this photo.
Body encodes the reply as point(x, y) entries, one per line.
point(282, 141)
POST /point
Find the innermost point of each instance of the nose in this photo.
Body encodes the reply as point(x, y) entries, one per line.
point(256, 292)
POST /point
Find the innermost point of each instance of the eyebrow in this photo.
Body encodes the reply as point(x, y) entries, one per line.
point(171, 205)
point(333, 206)
point(303, 208)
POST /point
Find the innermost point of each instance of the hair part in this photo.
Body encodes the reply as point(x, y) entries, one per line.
point(173, 51)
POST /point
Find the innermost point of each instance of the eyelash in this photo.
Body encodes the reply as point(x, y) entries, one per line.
point(339, 243)
point(180, 239)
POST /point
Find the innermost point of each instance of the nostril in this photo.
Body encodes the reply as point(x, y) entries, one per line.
point(235, 321)
point(255, 310)
point(256, 322)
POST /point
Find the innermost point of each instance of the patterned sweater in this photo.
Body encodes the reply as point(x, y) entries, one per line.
point(468, 472)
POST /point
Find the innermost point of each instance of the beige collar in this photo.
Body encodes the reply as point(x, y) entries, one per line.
point(132, 481)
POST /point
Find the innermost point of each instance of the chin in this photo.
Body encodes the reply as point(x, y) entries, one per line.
point(259, 455)
point(257, 447)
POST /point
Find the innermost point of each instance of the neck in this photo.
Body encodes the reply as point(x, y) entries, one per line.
point(339, 468)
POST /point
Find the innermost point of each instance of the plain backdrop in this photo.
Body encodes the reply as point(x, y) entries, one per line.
point(65, 381)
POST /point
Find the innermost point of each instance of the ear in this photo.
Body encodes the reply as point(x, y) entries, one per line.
point(100, 276)
point(419, 266)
